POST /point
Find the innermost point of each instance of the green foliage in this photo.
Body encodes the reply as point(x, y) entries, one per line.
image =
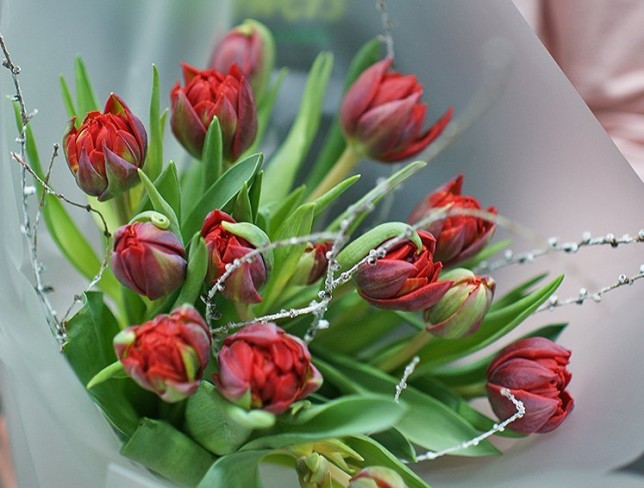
point(154, 159)
point(286, 161)
point(196, 272)
point(238, 470)
point(169, 452)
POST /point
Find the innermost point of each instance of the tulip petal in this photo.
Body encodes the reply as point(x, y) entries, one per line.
point(120, 174)
point(383, 279)
point(538, 409)
point(420, 299)
point(88, 178)
point(187, 126)
point(421, 143)
point(360, 95)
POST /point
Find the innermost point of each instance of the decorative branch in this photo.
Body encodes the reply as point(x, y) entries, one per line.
point(554, 246)
point(499, 427)
point(388, 24)
point(622, 280)
point(402, 385)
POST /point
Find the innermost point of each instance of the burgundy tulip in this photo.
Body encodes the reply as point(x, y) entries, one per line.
point(312, 264)
point(168, 354)
point(405, 279)
point(458, 237)
point(462, 309)
point(106, 151)
point(251, 47)
point(381, 114)
point(534, 370)
point(209, 93)
point(263, 367)
point(149, 260)
point(224, 247)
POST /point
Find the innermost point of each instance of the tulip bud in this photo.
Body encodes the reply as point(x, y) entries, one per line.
point(251, 47)
point(313, 471)
point(405, 279)
point(147, 259)
point(534, 370)
point(207, 94)
point(381, 115)
point(462, 309)
point(225, 246)
point(263, 367)
point(312, 263)
point(166, 355)
point(458, 237)
point(377, 477)
point(106, 151)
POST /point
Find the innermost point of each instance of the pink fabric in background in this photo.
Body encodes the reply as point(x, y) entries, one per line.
point(599, 45)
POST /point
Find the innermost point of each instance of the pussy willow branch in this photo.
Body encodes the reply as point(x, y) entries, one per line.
point(500, 427)
point(54, 324)
point(622, 280)
point(402, 384)
point(388, 24)
point(554, 246)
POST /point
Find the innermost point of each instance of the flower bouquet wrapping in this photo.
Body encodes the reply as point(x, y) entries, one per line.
point(234, 316)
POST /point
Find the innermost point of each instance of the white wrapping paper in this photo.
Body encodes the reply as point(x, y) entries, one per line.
point(538, 155)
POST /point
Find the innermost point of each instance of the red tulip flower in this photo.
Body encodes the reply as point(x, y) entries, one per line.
point(148, 260)
point(251, 47)
point(207, 94)
point(106, 151)
point(263, 367)
point(458, 237)
point(377, 477)
point(382, 117)
point(534, 370)
point(462, 309)
point(312, 264)
point(224, 247)
point(405, 279)
point(168, 354)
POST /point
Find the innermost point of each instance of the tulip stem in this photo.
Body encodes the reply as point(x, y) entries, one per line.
point(403, 353)
point(343, 166)
point(122, 207)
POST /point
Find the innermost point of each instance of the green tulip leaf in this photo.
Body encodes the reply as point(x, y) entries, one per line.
point(299, 223)
point(222, 191)
point(372, 239)
point(447, 428)
point(349, 415)
point(196, 272)
point(375, 454)
point(167, 184)
point(333, 194)
point(85, 95)
point(277, 212)
point(366, 204)
point(210, 422)
point(169, 452)
point(286, 161)
point(237, 470)
point(213, 156)
point(154, 159)
point(254, 194)
point(161, 205)
point(396, 443)
point(242, 210)
point(66, 95)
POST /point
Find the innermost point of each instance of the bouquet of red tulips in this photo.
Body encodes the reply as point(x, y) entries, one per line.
point(236, 319)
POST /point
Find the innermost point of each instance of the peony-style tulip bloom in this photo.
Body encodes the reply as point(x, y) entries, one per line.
point(312, 264)
point(168, 354)
point(251, 47)
point(148, 260)
point(223, 248)
point(209, 93)
point(106, 151)
point(462, 309)
point(534, 370)
point(405, 279)
point(377, 477)
point(263, 367)
point(458, 237)
point(382, 117)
